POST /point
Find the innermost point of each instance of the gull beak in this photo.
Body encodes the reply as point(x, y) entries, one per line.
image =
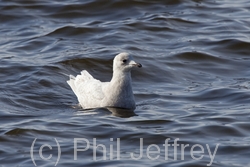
point(138, 65)
point(135, 64)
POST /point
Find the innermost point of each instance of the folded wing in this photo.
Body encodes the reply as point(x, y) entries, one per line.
point(87, 89)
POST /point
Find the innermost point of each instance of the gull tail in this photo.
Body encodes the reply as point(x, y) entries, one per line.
point(71, 83)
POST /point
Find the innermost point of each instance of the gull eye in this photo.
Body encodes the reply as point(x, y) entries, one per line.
point(124, 60)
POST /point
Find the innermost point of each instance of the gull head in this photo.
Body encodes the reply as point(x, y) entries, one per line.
point(124, 62)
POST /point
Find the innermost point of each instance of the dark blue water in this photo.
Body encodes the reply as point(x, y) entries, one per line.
point(192, 94)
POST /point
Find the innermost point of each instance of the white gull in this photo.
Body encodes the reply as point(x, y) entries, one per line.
point(92, 93)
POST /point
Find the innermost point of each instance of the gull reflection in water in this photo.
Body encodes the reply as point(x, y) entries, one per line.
point(118, 112)
point(122, 112)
